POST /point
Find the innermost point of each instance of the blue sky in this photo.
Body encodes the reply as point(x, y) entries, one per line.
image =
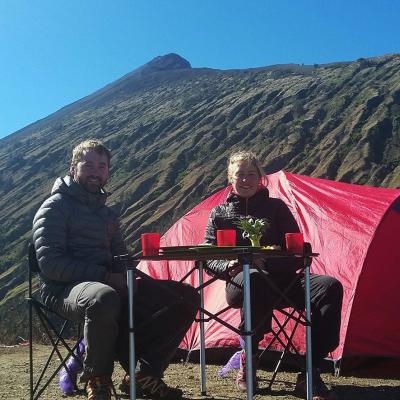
point(54, 52)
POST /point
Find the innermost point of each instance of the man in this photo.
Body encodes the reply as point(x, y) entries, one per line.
point(76, 236)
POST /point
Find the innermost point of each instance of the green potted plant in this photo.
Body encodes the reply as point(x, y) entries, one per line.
point(252, 228)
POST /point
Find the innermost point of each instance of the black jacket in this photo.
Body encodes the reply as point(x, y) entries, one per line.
point(279, 219)
point(75, 236)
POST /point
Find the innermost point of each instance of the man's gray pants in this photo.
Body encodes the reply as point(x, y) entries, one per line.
point(104, 314)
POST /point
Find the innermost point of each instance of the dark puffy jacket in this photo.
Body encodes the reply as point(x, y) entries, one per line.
point(278, 216)
point(75, 236)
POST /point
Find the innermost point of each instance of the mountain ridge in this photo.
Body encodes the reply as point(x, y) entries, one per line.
point(147, 67)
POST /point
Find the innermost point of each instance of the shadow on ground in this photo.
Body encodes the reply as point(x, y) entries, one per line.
point(347, 392)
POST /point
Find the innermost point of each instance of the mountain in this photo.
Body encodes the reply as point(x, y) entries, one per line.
point(171, 127)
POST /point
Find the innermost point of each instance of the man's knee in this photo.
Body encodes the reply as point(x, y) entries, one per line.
point(106, 302)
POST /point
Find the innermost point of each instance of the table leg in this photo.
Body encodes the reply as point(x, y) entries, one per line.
point(203, 388)
point(132, 356)
point(308, 331)
point(247, 328)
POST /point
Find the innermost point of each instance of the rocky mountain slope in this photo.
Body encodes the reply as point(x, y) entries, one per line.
point(171, 128)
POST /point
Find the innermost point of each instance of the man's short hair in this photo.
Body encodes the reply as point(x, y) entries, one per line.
point(243, 156)
point(86, 145)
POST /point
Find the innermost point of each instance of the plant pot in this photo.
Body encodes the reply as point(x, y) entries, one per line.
point(255, 242)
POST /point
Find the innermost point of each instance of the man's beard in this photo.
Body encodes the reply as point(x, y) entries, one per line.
point(92, 185)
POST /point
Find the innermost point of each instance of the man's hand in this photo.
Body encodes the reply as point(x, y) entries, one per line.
point(117, 280)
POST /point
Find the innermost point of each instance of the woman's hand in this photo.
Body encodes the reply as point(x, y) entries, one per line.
point(259, 261)
point(236, 268)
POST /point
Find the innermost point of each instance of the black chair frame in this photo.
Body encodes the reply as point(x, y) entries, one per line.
point(291, 313)
point(55, 334)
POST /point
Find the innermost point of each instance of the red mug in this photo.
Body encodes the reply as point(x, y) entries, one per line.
point(226, 237)
point(294, 242)
point(150, 244)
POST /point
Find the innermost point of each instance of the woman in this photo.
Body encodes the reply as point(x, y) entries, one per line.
point(249, 197)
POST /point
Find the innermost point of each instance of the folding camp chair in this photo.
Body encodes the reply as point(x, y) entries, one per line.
point(291, 313)
point(284, 337)
point(55, 328)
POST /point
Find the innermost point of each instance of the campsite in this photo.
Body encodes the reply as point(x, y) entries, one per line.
point(135, 134)
point(351, 229)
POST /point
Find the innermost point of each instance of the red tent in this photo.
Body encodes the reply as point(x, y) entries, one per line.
point(356, 231)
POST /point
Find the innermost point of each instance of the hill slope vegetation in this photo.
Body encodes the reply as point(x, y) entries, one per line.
point(171, 127)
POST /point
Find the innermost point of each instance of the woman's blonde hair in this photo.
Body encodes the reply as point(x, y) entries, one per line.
point(243, 156)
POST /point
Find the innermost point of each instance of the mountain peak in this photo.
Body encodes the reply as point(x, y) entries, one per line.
point(168, 62)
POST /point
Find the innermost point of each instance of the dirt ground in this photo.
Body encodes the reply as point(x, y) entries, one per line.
point(14, 381)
